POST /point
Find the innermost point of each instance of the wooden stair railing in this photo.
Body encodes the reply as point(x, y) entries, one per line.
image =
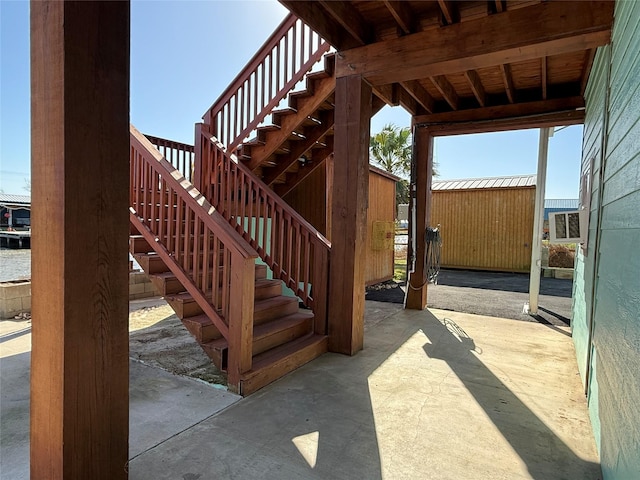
point(179, 155)
point(293, 249)
point(214, 264)
point(284, 59)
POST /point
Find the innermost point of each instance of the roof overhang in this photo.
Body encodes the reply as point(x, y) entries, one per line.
point(469, 60)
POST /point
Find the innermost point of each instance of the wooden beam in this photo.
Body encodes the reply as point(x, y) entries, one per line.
point(504, 111)
point(586, 70)
point(408, 102)
point(507, 79)
point(388, 93)
point(349, 215)
point(402, 14)
point(476, 86)
point(420, 94)
point(447, 90)
point(416, 298)
point(570, 117)
point(500, 6)
point(548, 28)
point(314, 15)
point(449, 11)
point(79, 416)
point(350, 19)
point(543, 76)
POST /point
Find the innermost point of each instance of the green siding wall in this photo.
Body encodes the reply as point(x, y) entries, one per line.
point(614, 393)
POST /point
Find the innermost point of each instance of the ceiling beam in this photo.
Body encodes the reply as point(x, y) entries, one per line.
point(409, 103)
point(447, 90)
point(449, 11)
point(543, 76)
point(548, 28)
point(388, 93)
point(570, 117)
point(505, 111)
point(420, 94)
point(350, 19)
point(507, 79)
point(586, 70)
point(476, 86)
point(314, 15)
point(402, 14)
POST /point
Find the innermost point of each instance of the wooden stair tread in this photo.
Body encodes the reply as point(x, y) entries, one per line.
point(277, 362)
point(269, 328)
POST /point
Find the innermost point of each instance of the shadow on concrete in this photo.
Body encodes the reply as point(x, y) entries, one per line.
point(12, 335)
point(320, 422)
point(14, 416)
point(544, 453)
point(559, 316)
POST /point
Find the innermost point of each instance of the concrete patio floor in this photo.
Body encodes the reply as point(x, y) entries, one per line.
point(434, 395)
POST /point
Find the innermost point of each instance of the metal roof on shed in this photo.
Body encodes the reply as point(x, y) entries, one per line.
point(518, 181)
point(564, 203)
point(10, 199)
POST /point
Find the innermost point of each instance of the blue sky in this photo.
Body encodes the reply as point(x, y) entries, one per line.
point(184, 54)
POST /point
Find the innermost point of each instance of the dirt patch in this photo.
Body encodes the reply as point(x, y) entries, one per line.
point(158, 338)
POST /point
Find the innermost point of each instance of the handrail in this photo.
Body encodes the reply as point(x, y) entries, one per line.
point(284, 59)
point(179, 154)
point(294, 250)
point(212, 261)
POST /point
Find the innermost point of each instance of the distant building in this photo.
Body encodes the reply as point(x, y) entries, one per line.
point(485, 223)
point(15, 211)
point(557, 205)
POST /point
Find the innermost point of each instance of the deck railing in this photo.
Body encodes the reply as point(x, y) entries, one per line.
point(274, 70)
point(292, 248)
point(213, 262)
point(180, 155)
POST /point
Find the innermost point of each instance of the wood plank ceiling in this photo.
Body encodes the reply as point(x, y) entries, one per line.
point(450, 61)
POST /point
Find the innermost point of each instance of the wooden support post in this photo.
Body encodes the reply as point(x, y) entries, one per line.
point(243, 283)
point(423, 156)
point(349, 214)
point(80, 222)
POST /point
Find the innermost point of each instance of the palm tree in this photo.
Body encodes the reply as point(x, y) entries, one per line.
point(391, 150)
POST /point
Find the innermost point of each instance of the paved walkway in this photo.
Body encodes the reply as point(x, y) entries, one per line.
point(493, 294)
point(434, 395)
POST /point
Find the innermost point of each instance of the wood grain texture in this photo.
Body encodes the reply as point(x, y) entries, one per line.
point(80, 150)
point(485, 229)
point(550, 28)
point(381, 208)
point(349, 214)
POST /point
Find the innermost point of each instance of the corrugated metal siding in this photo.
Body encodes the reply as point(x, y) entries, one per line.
point(11, 199)
point(562, 203)
point(488, 229)
point(489, 182)
point(382, 204)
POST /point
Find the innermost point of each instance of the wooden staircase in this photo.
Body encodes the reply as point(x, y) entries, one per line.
point(283, 336)
point(198, 241)
point(299, 137)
